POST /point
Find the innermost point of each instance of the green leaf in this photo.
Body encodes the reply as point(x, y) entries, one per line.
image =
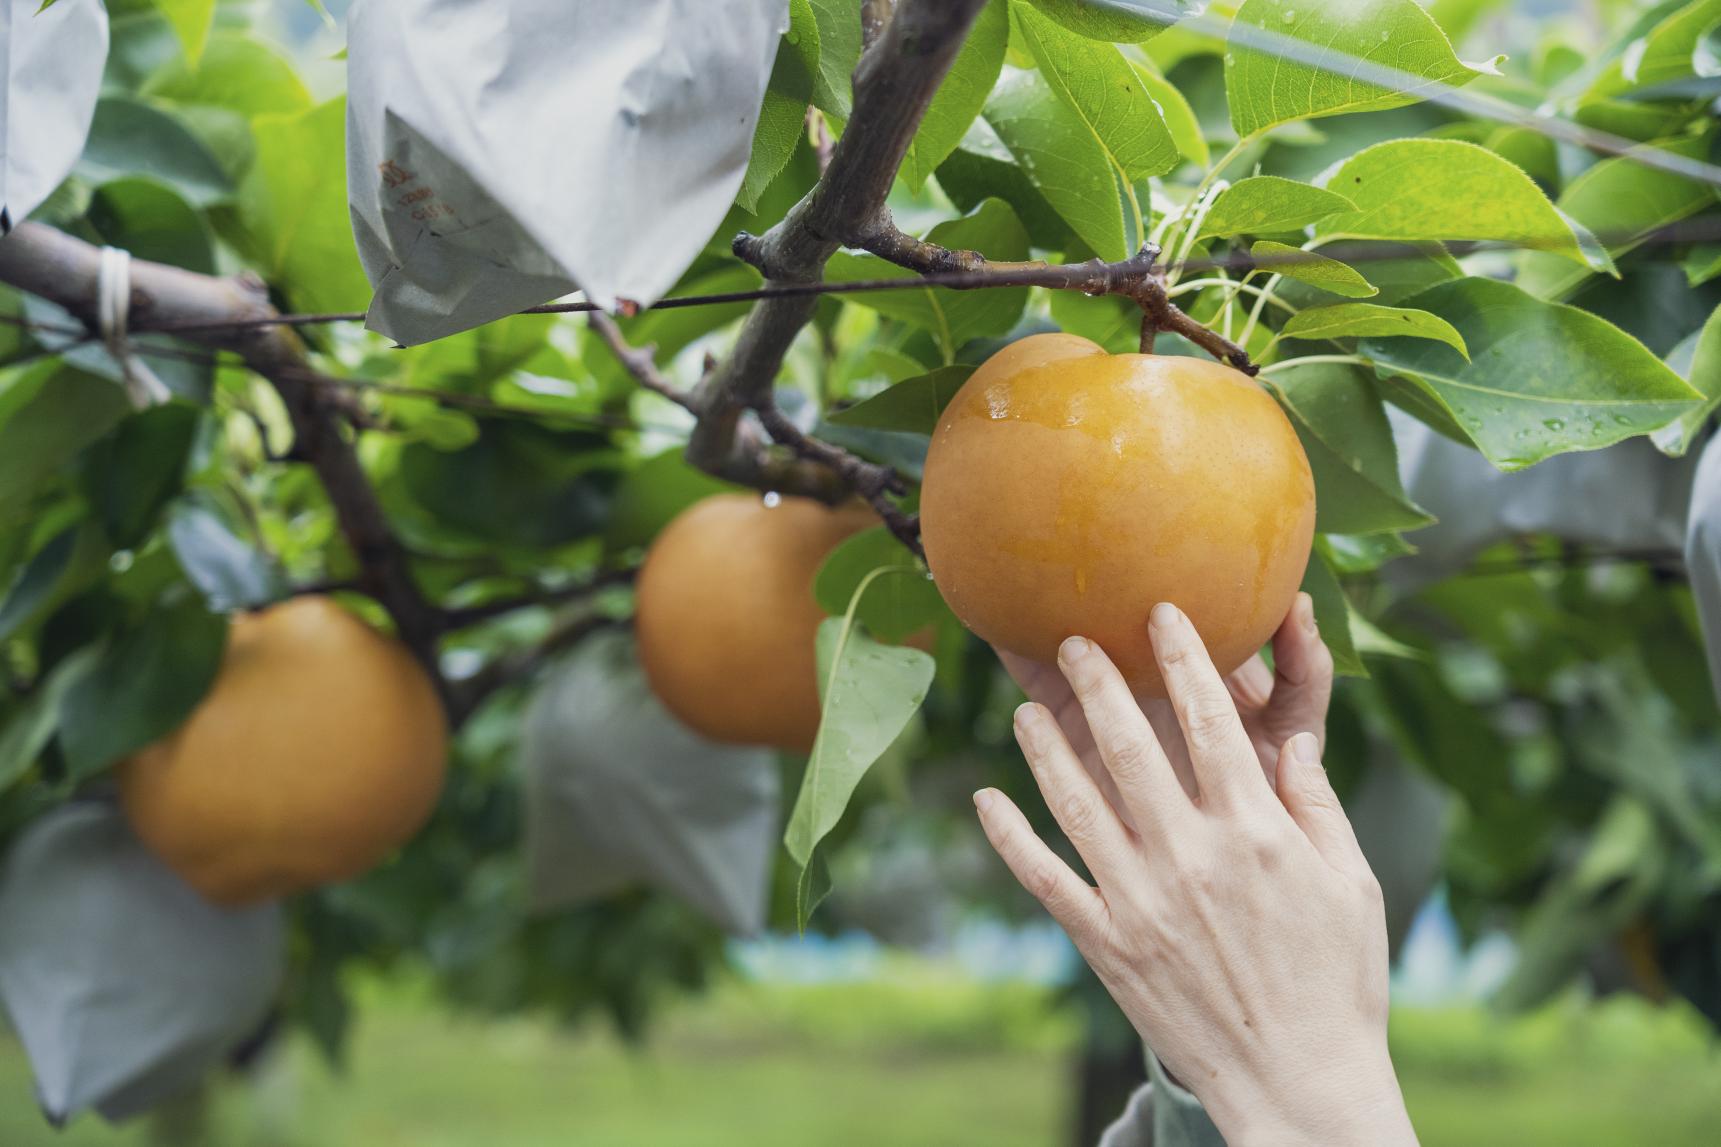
point(191, 21)
point(1060, 158)
point(898, 605)
point(1117, 21)
point(69, 563)
point(1314, 269)
point(912, 405)
point(129, 139)
point(1344, 430)
point(1180, 119)
point(1624, 200)
point(1543, 378)
point(1703, 264)
point(1359, 320)
point(869, 693)
point(238, 73)
point(1332, 615)
point(961, 96)
point(229, 572)
point(783, 115)
point(129, 476)
point(1448, 189)
point(1277, 81)
point(1269, 204)
point(1667, 52)
point(1704, 376)
point(34, 723)
point(982, 168)
point(520, 484)
point(839, 52)
point(293, 210)
point(1105, 93)
point(953, 317)
point(48, 414)
point(153, 222)
point(142, 687)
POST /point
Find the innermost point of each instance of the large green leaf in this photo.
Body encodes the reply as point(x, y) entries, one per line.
point(34, 723)
point(1703, 372)
point(961, 96)
point(782, 117)
point(142, 687)
point(1061, 159)
point(237, 72)
point(69, 563)
point(982, 168)
point(1344, 431)
point(1622, 201)
point(48, 414)
point(1180, 119)
point(153, 222)
point(293, 210)
point(1269, 205)
point(1105, 93)
point(1117, 21)
point(1360, 320)
point(869, 692)
point(839, 52)
point(1665, 53)
point(898, 605)
point(1420, 189)
point(229, 572)
point(912, 405)
point(1289, 61)
point(129, 138)
point(131, 474)
point(1543, 378)
point(191, 21)
point(1315, 269)
point(953, 317)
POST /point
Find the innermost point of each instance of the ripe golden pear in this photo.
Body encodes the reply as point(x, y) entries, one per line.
point(1067, 491)
point(726, 618)
point(319, 750)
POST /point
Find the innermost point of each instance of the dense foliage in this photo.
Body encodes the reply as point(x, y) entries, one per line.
point(1564, 703)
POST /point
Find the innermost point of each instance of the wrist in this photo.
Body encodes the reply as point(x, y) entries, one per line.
point(1330, 1104)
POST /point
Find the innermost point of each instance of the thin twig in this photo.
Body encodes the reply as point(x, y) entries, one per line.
point(640, 362)
point(560, 595)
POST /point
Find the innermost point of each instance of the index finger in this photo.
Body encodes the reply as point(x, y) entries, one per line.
point(1226, 768)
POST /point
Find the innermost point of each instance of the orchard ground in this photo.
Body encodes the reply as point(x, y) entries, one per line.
point(917, 1055)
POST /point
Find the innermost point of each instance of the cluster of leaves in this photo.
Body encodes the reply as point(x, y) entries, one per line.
point(519, 456)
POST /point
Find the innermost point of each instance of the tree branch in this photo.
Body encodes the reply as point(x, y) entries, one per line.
point(468, 695)
point(894, 82)
point(640, 362)
point(560, 595)
point(1139, 277)
point(66, 270)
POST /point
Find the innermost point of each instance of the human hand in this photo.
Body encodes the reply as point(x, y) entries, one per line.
point(1273, 704)
point(1239, 928)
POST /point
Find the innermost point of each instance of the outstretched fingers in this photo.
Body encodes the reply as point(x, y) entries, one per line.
point(1076, 800)
point(1226, 766)
point(1077, 906)
point(1145, 781)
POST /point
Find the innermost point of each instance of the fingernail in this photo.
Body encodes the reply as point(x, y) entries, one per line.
point(1305, 749)
point(1074, 649)
point(1027, 725)
point(1165, 614)
point(983, 799)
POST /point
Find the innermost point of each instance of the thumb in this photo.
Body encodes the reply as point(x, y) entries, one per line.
point(1308, 796)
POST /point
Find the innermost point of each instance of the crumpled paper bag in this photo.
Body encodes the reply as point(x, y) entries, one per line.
point(50, 74)
point(500, 155)
point(124, 985)
point(620, 793)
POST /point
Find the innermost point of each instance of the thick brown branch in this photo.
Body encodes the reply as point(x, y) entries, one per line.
point(66, 271)
point(894, 82)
